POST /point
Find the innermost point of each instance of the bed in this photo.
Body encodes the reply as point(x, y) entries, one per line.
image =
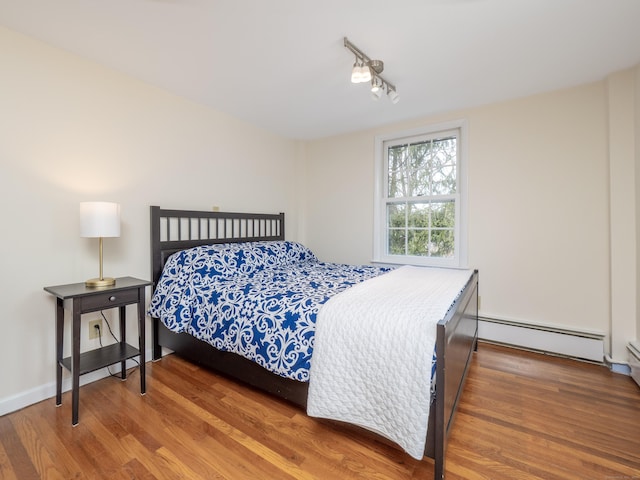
point(455, 338)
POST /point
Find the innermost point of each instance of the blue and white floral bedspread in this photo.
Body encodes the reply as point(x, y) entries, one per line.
point(259, 300)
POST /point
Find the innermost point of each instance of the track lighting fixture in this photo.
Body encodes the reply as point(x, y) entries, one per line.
point(366, 70)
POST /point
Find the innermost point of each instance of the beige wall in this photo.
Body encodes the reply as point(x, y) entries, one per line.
point(70, 131)
point(538, 206)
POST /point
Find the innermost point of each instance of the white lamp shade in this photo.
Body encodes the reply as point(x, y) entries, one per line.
point(365, 74)
point(355, 74)
point(99, 219)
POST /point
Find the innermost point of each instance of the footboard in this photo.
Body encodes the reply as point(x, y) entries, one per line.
point(456, 341)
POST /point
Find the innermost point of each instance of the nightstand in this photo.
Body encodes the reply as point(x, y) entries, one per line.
point(80, 299)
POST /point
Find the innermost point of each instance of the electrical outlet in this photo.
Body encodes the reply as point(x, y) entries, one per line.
point(95, 327)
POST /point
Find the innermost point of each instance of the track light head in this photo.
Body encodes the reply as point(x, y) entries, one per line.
point(393, 95)
point(376, 85)
point(360, 73)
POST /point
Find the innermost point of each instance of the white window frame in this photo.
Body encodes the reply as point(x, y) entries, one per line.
point(380, 243)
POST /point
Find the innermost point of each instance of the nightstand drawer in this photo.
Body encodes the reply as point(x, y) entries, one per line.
point(109, 300)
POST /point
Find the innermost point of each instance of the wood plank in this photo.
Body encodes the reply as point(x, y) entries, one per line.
point(14, 461)
point(49, 458)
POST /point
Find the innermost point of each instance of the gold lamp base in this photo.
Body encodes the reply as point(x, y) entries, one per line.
point(100, 282)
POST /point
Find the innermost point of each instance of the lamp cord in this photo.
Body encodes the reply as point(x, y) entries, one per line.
point(118, 341)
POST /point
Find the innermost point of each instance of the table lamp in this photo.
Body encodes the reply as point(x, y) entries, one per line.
point(99, 220)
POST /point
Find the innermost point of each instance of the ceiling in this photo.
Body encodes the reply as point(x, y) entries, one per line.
point(281, 64)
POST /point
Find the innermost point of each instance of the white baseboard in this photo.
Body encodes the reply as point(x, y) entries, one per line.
point(43, 392)
point(567, 343)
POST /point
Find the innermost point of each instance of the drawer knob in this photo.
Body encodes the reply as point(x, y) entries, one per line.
point(112, 298)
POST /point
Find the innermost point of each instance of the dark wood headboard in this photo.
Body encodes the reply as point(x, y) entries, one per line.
point(175, 230)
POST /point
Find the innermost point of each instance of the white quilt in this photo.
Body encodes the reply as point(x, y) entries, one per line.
point(374, 343)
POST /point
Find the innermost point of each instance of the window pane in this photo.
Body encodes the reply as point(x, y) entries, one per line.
point(443, 214)
point(418, 243)
point(419, 169)
point(418, 215)
point(397, 239)
point(396, 215)
point(442, 243)
point(443, 180)
point(398, 172)
point(409, 170)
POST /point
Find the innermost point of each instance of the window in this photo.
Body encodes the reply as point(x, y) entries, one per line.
point(421, 197)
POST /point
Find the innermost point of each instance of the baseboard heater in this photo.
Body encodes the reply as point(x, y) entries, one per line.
point(557, 341)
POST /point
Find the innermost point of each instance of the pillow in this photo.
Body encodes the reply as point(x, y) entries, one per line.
point(187, 268)
point(244, 258)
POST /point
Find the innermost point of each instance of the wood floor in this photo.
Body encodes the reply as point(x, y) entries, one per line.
point(522, 416)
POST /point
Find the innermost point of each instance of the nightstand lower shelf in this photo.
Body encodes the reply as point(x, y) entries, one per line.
point(103, 357)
